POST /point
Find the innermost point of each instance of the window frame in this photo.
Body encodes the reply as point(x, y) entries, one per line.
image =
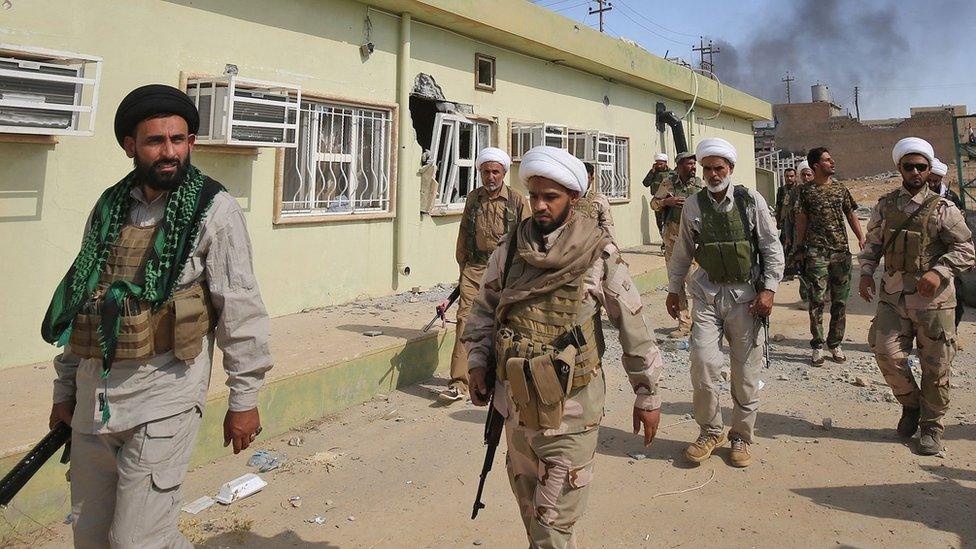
point(478, 58)
point(612, 163)
point(436, 151)
point(281, 217)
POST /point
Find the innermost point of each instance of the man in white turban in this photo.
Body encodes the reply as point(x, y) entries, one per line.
point(730, 233)
point(538, 316)
point(925, 243)
point(490, 211)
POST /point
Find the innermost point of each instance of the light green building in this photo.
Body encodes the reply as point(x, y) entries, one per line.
point(364, 94)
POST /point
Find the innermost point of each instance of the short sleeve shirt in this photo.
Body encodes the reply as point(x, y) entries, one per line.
point(826, 208)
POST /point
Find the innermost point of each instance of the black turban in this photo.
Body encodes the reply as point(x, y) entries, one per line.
point(152, 99)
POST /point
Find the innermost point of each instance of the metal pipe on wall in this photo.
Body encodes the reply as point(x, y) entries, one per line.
point(401, 241)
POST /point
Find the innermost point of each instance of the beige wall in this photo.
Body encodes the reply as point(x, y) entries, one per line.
point(46, 191)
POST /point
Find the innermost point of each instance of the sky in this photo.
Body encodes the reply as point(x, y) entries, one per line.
point(900, 54)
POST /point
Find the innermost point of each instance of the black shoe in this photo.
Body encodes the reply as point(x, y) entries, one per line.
point(930, 443)
point(908, 423)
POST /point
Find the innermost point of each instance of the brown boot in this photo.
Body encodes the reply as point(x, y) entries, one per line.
point(702, 448)
point(739, 456)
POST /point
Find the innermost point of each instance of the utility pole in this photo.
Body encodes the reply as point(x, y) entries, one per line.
point(857, 109)
point(600, 9)
point(788, 79)
point(704, 50)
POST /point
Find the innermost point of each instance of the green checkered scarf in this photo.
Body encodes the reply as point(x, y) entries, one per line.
point(172, 244)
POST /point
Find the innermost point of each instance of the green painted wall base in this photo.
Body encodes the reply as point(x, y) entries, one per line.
point(285, 403)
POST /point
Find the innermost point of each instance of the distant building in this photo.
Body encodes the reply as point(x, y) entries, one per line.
point(860, 147)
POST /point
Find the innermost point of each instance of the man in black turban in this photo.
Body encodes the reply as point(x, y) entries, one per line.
point(164, 273)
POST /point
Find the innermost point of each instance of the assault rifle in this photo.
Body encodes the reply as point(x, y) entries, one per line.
point(442, 310)
point(493, 433)
point(32, 462)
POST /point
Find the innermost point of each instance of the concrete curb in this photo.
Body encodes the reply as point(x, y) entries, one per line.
point(285, 403)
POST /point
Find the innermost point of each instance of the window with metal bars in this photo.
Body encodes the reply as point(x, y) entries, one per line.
point(454, 147)
point(342, 163)
point(610, 154)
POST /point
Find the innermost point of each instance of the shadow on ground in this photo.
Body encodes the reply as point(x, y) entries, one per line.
point(250, 539)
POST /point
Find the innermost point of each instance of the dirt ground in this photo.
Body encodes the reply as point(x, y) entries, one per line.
point(401, 471)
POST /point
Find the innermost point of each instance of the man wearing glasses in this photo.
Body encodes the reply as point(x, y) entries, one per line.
point(924, 241)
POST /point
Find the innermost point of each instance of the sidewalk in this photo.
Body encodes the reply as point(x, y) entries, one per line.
point(323, 364)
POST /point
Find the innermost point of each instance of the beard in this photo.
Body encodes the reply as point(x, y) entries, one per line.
point(720, 186)
point(491, 187)
point(547, 227)
point(150, 175)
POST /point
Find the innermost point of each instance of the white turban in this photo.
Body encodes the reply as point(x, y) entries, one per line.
point(912, 145)
point(802, 165)
point(493, 154)
point(660, 157)
point(939, 168)
point(716, 146)
point(555, 164)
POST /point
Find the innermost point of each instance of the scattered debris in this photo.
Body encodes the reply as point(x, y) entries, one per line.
point(726, 374)
point(296, 440)
point(327, 458)
point(351, 518)
point(637, 456)
point(199, 505)
point(477, 542)
point(783, 377)
point(392, 413)
point(295, 501)
point(686, 490)
point(317, 519)
point(240, 488)
point(69, 519)
point(373, 333)
point(266, 460)
point(827, 423)
point(860, 381)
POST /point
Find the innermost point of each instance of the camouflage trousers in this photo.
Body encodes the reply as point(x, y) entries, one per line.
point(828, 277)
point(684, 312)
point(550, 476)
point(892, 333)
point(469, 284)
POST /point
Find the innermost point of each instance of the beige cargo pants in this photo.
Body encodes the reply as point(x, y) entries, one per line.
point(469, 284)
point(684, 313)
point(550, 476)
point(125, 487)
point(892, 333)
point(746, 339)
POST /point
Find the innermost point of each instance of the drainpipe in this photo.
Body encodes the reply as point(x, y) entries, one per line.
point(665, 117)
point(404, 191)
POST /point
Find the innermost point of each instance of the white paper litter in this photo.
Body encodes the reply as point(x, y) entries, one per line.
point(240, 488)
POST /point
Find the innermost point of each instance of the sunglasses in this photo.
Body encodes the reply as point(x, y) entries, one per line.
point(908, 167)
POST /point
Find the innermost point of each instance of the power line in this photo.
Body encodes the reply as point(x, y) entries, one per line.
point(601, 9)
point(652, 31)
point(642, 16)
point(581, 4)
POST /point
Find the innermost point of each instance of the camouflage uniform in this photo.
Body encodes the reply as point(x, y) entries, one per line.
point(653, 181)
point(550, 466)
point(673, 186)
point(595, 204)
point(827, 258)
point(483, 223)
point(937, 240)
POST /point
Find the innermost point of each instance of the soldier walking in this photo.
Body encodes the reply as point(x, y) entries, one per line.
point(667, 201)
point(490, 211)
point(821, 245)
point(936, 185)
point(924, 241)
point(730, 233)
point(539, 307)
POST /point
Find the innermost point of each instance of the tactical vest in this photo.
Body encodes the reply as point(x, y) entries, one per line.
point(178, 325)
point(586, 206)
point(673, 213)
point(477, 256)
point(533, 327)
point(724, 247)
point(908, 247)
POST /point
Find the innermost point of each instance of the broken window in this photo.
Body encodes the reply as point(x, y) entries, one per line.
point(609, 154)
point(454, 147)
point(342, 162)
point(484, 72)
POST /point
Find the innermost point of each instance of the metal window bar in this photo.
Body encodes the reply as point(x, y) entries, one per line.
point(341, 164)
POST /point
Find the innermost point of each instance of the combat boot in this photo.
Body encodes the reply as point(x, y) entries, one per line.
point(739, 456)
point(930, 443)
point(908, 423)
point(838, 355)
point(817, 358)
point(702, 448)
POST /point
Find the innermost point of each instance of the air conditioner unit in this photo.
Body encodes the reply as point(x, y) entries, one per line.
point(47, 92)
point(243, 112)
